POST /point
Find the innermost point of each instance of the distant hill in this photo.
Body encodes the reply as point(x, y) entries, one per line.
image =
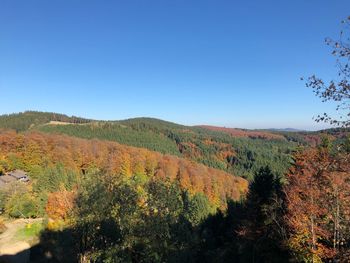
point(245, 133)
point(284, 130)
point(25, 120)
point(240, 152)
point(35, 150)
point(237, 151)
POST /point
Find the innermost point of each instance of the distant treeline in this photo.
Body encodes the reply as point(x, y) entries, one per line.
point(241, 156)
point(217, 149)
point(28, 119)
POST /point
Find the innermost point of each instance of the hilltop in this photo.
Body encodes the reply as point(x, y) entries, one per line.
point(246, 133)
point(216, 148)
point(237, 151)
point(25, 120)
point(144, 175)
point(34, 149)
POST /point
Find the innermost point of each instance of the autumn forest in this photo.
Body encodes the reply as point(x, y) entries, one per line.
point(200, 194)
point(150, 190)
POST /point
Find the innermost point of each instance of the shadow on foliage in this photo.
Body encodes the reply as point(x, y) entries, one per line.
point(248, 231)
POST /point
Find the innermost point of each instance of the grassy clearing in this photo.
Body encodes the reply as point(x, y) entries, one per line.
point(30, 232)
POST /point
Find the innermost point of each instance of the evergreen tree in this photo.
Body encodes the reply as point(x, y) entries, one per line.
point(262, 232)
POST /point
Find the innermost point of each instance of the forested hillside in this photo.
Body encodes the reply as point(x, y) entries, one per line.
point(106, 201)
point(26, 120)
point(238, 155)
point(43, 155)
point(96, 188)
point(246, 133)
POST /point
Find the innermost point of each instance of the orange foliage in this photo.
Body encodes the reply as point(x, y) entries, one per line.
point(189, 150)
point(59, 204)
point(245, 133)
point(80, 154)
point(318, 197)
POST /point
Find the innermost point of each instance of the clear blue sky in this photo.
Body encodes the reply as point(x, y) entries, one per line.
point(228, 63)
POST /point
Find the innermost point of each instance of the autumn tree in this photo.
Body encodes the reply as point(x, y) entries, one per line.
point(59, 204)
point(111, 224)
point(307, 208)
point(336, 90)
point(17, 201)
point(318, 205)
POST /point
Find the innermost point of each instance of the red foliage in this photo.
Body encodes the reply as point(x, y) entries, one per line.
point(80, 154)
point(245, 133)
point(59, 204)
point(318, 197)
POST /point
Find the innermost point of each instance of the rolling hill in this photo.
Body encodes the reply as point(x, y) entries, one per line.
point(237, 151)
point(214, 147)
point(246, 133)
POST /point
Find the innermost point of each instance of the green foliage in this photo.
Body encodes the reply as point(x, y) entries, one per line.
point(197, 208)
point(51, 179)
point(16, 201)
point(125, 219)
point(118, 133)
point(217, 149)
point(20, 200)
point(240, 156)
point(264, 219)
point(249, 231)
point(14, 162)
point(347, 144)
point(246, 154)
point(3, 200)
point(30, 231)
point(26, 120)
point(326, 142)
point(21, 205)
point(253, 154)
point(122, 220)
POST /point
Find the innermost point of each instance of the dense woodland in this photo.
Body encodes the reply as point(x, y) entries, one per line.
point(68, 159)
point(26, 120)
point(152, 191)
point(238, 155)
point(108, 202)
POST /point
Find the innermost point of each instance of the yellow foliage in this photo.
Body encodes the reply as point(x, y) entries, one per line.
point(54, 225)
point(125, 168)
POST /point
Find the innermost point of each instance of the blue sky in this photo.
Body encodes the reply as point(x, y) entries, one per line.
point(228, 63)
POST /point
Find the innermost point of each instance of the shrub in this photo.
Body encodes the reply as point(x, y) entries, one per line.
point(21, 206)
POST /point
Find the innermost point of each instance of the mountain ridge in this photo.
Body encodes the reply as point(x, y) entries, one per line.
point(78, 119)
point(241, 156)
